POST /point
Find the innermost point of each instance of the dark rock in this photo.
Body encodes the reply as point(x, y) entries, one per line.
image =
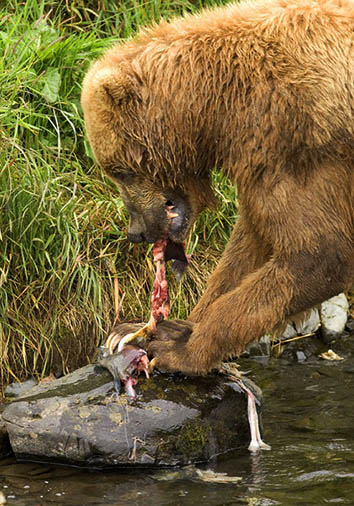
point(5, 448)
point(301, 349)
point(260, 348)
point(174, 420)
point(350, 325)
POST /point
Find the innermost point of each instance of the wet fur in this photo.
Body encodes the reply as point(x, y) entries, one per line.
point(264, 90)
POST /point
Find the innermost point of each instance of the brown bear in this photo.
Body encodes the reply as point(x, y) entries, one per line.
point(265, 91)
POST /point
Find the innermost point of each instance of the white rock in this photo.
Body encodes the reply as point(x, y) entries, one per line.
point(289, 332)
point(334, 315)
point(310, 325)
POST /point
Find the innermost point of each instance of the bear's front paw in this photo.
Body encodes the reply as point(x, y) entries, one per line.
point(174, 330)
point(172, 356)
point(175, 349)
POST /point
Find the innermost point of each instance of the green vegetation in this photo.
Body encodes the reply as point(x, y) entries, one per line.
point(62, 224)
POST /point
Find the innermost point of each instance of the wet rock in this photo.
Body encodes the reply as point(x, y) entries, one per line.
point(174, 420)
point(334, 315)
point(301, 349)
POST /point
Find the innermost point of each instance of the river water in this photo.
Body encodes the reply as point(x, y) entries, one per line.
point(308, 420)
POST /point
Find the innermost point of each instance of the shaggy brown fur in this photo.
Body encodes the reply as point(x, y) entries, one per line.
point(264, 90)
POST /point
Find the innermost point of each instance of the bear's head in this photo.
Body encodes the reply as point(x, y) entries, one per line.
point(137, 137)
point(147, 204)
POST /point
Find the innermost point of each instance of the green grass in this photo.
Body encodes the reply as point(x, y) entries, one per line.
point(62, 224)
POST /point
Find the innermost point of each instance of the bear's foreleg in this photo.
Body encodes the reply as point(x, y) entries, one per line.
point(244, 253)
point(264, 299)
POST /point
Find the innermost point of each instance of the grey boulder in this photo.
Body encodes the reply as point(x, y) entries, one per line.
point(174, 420)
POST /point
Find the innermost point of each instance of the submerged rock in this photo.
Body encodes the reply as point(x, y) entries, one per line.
point(174, 420)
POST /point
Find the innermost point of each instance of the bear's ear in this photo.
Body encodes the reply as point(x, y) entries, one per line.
point(118, 85)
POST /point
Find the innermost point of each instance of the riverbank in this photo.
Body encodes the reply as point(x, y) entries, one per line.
point(63, 247)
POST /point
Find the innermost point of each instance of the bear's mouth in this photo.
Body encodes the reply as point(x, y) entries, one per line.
point(175, 251)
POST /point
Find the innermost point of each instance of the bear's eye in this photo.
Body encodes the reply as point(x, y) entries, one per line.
point(124, 176)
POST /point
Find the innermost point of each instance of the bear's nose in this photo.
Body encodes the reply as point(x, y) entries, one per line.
point(136, 237)
point(136, 228)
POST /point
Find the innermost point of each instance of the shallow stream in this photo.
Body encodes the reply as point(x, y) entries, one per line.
point(308, 420)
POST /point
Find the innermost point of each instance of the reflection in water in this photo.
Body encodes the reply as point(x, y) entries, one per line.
point(308, 419)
